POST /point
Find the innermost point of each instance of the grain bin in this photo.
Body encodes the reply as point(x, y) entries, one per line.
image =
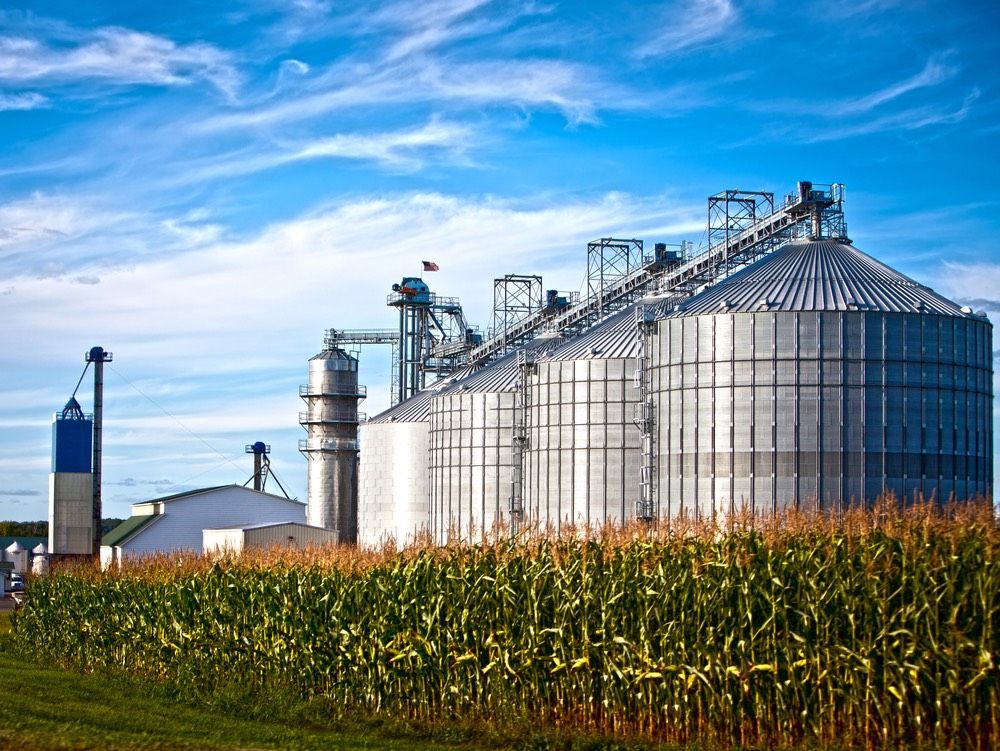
point(819, 376)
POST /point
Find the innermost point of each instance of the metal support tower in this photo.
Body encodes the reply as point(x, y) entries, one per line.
point(515, 297)
point(645, 419)
point(262, 467)
point(519, 437)
point(98, 357)
point(433, 335)
point(732, 212)
point(813, 210)
point(260, 450)
point(609, 260)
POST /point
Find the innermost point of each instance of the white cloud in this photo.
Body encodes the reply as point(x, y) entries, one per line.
point(28, 101)
point(331, 267)
point(116, 55)
point(294, 66)
point(401, 150)
point(913, 118)
point(572, 89)
point(935, 72)
point(971, 281)
point(685, 26)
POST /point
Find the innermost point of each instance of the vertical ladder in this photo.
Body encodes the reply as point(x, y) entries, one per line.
point(645, 420)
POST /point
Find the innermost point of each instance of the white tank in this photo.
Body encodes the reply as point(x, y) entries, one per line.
point(18, 555)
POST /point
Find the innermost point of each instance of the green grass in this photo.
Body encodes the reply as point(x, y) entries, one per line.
point(49, 708)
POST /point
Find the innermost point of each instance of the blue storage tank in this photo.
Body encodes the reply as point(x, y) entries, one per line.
point(72, 439)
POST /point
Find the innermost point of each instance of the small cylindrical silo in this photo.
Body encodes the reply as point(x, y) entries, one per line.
point(331, 446)
point(18, 555)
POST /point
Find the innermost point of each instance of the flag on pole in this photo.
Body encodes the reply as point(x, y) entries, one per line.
point(430, 266)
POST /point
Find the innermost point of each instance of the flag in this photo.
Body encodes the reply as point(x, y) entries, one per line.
point(430, 266)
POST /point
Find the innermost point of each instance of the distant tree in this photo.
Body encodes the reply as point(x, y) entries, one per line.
point(24, 529)
point(41, 528)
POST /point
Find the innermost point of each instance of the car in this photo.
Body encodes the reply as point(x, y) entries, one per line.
point(16, 583)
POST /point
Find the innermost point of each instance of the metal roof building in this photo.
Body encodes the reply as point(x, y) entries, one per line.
point(176, 522)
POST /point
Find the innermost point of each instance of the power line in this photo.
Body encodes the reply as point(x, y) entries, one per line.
point(183, 427)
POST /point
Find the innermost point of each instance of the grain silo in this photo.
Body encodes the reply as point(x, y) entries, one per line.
point(819, 376)
point(474, 429)
point(393, 473)
point(583, 449)
point(331, 423)
point(71, 487)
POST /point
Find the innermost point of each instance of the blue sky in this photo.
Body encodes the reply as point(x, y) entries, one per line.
point(204, 191)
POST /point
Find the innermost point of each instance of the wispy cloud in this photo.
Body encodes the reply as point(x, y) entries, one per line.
point(401, 150)
point(29, 101)
point(573, 89)
point(686, 25)
point(115, 55)
point(913, 118)
point(934, 73)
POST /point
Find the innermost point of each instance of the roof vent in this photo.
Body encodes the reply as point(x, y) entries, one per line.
point(724, 305)
point(764, 303)
point(593, 351)
point(967, 310)
point(981, 313)
point(921, 307)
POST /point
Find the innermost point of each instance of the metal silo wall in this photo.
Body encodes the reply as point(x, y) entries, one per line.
point(781, 408)
point(470, 463)
point(582, 462)
point(393, 482)
point(332, 444)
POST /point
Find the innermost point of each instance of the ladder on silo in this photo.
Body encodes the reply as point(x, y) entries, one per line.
point(645, 420)
point(519, 438)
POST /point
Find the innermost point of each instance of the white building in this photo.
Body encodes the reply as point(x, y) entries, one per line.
point(176, 522)
point(261, 536)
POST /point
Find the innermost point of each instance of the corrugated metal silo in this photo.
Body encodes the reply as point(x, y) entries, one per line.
point(582, 463)
point(471, 447)
point(820, 375)
point(393, 473)
point(71, 489)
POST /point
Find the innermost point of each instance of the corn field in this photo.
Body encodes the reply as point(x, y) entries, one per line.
point(871, 630)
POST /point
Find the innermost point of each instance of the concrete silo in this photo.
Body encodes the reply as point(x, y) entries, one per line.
point(819, 376)
point(331, 448)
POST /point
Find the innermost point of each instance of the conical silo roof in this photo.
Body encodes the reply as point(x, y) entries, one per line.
point(807, 275)
point(501, 375)
point(614, 337)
